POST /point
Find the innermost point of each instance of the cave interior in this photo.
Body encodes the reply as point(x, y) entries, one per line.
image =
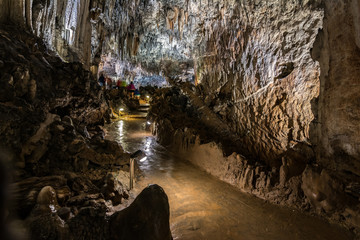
point(254, 102)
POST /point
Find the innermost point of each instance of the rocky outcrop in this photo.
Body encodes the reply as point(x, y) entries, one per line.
point(67, 178)
point(47, 107)
point(281, 75)
point(146, 218)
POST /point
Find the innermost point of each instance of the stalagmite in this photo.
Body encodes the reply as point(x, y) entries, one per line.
point(135, 45)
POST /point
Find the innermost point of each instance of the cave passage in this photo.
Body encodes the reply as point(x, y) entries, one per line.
point(203, 207)
point(248, 113)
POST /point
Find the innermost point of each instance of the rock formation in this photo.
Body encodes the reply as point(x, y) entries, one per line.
point(67, 179)
point(146, 218)
point(182, 124)
point(276, 73)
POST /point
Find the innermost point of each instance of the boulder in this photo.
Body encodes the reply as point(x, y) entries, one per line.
point(43, 222)
point(114, 190)
point(89, 224)
point(146, 218)
point(25, 193)
point(47, 200)
point(324, 191)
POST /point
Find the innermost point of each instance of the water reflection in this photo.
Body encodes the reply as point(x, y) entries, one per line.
point(202, 207)
point(131, 134)
point(121, 128)
point(143, 159)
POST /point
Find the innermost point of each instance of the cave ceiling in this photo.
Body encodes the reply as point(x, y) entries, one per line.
point(160, 35)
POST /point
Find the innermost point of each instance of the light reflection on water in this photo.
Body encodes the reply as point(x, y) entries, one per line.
point(121, 128)
point(132, 136)
point(202, 207)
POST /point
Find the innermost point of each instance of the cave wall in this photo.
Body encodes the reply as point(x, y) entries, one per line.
point(258, 74)
point(76, 30)
point(283, 75)
point(337, 126)
point(291, 71)
point(64, 25)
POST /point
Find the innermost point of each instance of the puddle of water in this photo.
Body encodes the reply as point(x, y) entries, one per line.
point(203, 207)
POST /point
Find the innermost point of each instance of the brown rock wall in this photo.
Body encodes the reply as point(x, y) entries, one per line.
point(258, 67)
point(337, 50)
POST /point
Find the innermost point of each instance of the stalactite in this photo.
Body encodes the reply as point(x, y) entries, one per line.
point(28, 13)
point(176, 10)
point(122, 43)
point(129, 42)
point(170, 19)
point(136, 44)
point(170, 39)
point(181, 22)
point(158, 16)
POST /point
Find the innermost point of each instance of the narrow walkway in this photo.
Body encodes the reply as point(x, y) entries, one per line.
point(202, 207)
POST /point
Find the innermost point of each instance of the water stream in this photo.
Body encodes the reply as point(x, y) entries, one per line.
point(203, 207)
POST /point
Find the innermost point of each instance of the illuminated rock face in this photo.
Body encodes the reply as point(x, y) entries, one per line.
point(62, 24)
point(258, 74)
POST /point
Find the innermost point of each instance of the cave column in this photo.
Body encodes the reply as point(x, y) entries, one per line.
point(337, 49)
point(28, 13)
point(83, 32)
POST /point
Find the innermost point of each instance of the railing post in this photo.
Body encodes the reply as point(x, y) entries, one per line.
point(136, 155)
point(132, 173)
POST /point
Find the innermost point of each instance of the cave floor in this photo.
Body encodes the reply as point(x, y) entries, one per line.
point(203, 207)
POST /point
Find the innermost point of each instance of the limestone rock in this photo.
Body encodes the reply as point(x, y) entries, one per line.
point(47, 199)
point(146, 218)
point(114, 190)
point(64, 213)
point(324, 191)
point(89, 223)
point(43, 221)
point(25, 193)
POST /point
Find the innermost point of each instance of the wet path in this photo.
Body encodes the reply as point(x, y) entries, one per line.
point(202, 207)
